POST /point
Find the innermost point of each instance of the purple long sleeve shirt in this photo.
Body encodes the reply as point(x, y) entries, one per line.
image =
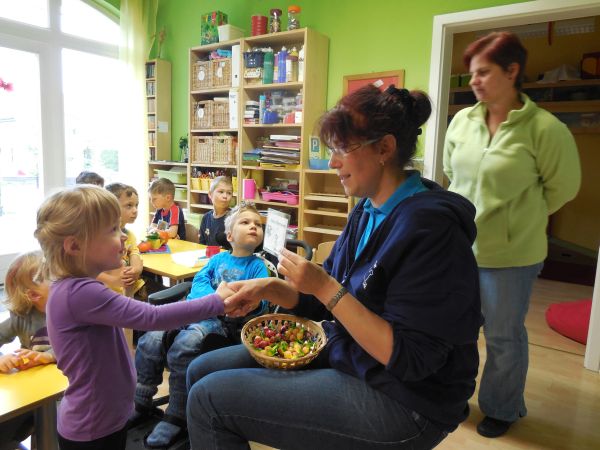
point(84, 321)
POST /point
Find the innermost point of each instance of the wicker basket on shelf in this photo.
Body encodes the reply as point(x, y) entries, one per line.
point(223, 150)
point(202, 114)
point(202, 75)
point(221, 72)
point(201, 149)
point(220, 115)
point(277, 320)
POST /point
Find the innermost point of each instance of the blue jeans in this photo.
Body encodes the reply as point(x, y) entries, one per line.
point(151, 357)
point(232, 400)
point(505, 295)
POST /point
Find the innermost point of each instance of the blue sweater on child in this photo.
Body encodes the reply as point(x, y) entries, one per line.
point(418, 272)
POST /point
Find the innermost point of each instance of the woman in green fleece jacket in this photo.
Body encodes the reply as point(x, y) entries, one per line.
point(517, 163)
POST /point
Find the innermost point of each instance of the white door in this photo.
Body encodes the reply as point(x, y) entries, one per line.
point(21, 186)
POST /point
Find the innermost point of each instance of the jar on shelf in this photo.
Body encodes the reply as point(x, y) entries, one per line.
point(293, 17)
point(275, 21)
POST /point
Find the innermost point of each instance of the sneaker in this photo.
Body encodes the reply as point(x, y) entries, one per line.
point(491, 428)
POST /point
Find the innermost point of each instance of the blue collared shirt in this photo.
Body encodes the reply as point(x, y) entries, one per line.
point(411, 186)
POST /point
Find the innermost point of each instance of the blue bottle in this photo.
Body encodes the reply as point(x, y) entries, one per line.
point(282, 58)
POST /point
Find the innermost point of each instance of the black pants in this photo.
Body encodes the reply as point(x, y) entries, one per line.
point(115, 441)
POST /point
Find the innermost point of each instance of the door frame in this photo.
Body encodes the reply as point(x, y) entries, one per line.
point(444, 28)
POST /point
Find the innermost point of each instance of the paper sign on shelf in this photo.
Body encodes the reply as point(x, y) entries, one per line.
point(163, 127)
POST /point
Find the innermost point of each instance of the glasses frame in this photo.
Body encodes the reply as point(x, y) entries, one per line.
point(354, 147)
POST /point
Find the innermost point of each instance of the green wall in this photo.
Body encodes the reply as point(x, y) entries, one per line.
point(364, 37)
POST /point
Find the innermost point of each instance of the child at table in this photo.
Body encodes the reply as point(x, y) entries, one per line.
point(79, 231)
point(26, 302)
point(126, 279)
point(244, 232)
point(87, 177)
point(162, 192)
point(213, 222)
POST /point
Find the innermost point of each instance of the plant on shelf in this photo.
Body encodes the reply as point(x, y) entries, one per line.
point(183, 148)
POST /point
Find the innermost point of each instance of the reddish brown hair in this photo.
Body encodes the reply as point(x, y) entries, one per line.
point(369, 114)
point(502, 48)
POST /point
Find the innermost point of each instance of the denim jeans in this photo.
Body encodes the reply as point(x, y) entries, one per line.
point(151, 357)
point(505, 295)
point(232, 401)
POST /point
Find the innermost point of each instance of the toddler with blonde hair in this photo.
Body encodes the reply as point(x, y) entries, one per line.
point(80, 234)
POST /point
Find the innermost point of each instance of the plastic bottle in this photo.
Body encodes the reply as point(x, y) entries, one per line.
point(275, 21)
point(276, 67)
point(293, 17)
point(301, 65)
point(291, 65)
point(268, 69)
point(281, 62)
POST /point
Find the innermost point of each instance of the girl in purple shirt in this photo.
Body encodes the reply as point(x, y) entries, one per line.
point(78, 230)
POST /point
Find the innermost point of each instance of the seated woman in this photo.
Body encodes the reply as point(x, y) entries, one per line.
point(401, 283)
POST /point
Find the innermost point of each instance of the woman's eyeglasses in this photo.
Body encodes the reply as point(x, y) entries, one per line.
point(353, 147)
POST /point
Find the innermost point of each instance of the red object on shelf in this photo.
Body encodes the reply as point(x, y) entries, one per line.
point(259, 25)
point(287, 197)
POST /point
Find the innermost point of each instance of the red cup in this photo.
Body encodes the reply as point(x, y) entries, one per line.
point(259, 25)
point(212, 250)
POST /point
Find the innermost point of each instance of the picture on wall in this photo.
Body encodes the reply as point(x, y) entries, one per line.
point(379, 79)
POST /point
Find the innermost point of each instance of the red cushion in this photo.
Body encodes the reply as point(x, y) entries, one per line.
point(571, 319)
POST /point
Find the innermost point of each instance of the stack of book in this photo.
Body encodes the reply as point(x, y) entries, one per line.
point(251, 113)
point(281, 149)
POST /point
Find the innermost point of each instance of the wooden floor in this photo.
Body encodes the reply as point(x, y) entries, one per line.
point(563, 398)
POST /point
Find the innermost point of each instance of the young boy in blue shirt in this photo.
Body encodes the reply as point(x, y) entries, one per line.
point(244, 232)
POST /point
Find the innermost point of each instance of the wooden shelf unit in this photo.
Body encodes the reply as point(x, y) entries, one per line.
point(158, 109)
point(323, 208)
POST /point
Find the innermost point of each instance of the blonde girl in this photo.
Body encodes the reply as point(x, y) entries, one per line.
point(79, 231)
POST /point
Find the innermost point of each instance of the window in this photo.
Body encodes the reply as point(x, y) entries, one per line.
point(62, 114)
point(32, 12)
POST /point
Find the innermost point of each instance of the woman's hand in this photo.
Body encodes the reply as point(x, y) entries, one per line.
point(246, 296)
point(303, 275)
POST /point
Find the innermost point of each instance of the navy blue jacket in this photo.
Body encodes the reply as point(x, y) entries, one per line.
point(418, 272)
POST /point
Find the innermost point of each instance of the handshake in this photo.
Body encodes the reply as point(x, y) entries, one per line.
point(242, 297)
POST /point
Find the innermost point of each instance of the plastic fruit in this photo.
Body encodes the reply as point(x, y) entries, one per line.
point(155, 243)
point(164, 236)
point(144, 246)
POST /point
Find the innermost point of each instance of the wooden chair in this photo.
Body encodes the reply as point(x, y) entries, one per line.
point(191, 233)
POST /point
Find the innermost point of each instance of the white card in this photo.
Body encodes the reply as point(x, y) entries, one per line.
point(275, 231)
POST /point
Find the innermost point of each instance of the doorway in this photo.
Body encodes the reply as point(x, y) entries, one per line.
point(444, 28)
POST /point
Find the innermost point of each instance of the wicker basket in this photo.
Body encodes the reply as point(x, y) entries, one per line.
point(223, 150)
point(202, 75)
point(202, 114)
point(221, 72)
point(273, 362)
point(220, 115)
point(202, 149)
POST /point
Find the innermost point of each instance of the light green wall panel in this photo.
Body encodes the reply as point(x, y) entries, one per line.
point(371, 36)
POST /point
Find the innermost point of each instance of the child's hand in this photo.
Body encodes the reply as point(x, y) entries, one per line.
point(9, 362)
point(248, 295)
point(130, 275)
point(31, 358)
point(224, 291)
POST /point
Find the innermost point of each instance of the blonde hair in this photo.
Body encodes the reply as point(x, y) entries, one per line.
point(222, 179)
point(80, 212)
point(235, 212)
point(21, 277)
